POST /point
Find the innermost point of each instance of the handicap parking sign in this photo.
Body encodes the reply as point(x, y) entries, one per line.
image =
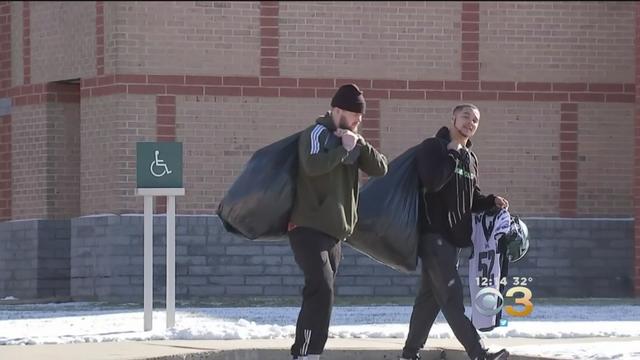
point(159, 165)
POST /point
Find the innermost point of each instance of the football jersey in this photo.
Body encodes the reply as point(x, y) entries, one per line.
point(486, 266)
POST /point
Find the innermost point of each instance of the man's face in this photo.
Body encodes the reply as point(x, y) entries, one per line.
point(349, 120)
point(466, 121)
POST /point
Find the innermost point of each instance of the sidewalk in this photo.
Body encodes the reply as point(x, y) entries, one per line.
point(337, 349)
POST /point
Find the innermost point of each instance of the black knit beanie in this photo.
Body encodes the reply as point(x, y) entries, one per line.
point(349, 97)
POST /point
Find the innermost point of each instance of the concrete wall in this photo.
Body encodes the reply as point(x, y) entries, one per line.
point(568, 258)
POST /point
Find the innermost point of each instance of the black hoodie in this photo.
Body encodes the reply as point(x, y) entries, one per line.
point(450, 186)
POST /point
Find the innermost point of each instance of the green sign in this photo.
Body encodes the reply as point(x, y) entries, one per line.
point(159, 164)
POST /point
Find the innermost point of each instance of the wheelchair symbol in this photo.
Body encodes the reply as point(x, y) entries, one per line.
point(157, 163)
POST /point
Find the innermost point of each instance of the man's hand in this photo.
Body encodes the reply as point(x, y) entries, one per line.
point(501, 202)
point(349, 138)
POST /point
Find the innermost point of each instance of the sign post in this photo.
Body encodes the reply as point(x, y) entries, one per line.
point(159, 173)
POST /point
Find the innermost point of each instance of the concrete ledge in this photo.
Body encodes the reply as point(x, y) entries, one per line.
point(265, 349)
point(353, 354)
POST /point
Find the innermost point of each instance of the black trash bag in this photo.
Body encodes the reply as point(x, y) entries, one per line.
point(389, 210)
point(259, 203)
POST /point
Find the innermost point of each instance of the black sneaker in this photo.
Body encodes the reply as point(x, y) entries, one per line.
point(416, 357)
point(500, 355)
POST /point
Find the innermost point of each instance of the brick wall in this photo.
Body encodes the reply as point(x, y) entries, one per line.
point(5, 167)
point(17, 66)
point(110, 128)
point(34, 259)
point(45, 158)
point(29, 161)
point(604, 170)
point(357, 39)
point(516, 143)
point(62, 40)
point(568, 258)
point(63, 196)
point(221, 133)
point(557, 41)
point(201, 37)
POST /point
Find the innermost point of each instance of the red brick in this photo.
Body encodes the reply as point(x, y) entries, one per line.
point(372, 114)
point(146, 89)
point(290, 82)
point(269, 51)
point(498, 85)
point(470, 17)
point(444, 95)
point(630, 88)
point(185, 90)
point(407, 94)
point(470, 6)
point(223, 90)
point(479, 95)
point(606, 87)
point(389, 84)
point(470, 47)
point(89, 82)
point(257, 91)
point(106, 80)
point(166, 109)
point(269, 42)
point(533, 86)
point(568, 116)
point(426, 84)
point(587, 97)
point(203, 80)
point(567, 146)
point(240, 80)
point(621, 98)
point(470, 76)
point(361, 83)
point(551, 97)
point(567, 136)
point(470, 66)
point(165, 100)
point(317, 83)
point(515, 96)
point(269, 71)
point(461, 85)
point(297, 92)
point(569, 107)
point(26, 89)
point(268, 21)
point(268, 11)
point(165, 130)
point(166, 79)
point(269, 31)
point(470, 36)
point(374, 93)
point(166, 120)
point(569, 166)
point(266, 62)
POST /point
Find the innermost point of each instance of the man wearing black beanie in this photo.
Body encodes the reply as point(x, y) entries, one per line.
point(330, 154)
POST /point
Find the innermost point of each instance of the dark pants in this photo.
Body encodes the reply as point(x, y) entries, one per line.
point(440, 290)
point(318, 255)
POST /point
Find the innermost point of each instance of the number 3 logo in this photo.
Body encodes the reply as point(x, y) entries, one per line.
point(525, 301)
point(489, 301)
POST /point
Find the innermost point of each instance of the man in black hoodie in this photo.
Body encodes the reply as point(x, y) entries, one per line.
point(448, 171)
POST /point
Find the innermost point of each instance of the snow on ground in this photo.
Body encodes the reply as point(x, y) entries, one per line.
point(87, 322)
